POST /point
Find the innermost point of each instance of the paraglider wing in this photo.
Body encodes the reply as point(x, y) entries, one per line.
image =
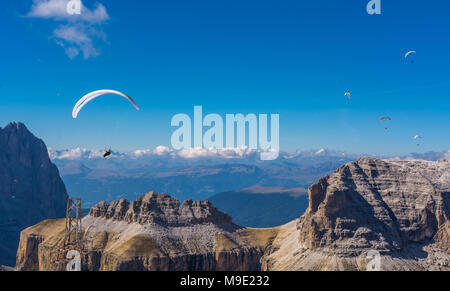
point(410, 52)
point(384, 118)
point(89, 97)
point(349, 97)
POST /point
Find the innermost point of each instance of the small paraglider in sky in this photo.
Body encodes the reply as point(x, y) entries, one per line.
point(408, 56)
point(417, 138)
point(349, 96)
point(383, 121)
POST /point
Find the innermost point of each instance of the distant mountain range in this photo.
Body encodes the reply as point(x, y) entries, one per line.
point(195, 173)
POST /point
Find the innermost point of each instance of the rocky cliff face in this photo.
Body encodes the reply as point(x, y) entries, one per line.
point(400, 209)
point(160, 209)
point(155, 232)
point(30, 187)
point(389, 214)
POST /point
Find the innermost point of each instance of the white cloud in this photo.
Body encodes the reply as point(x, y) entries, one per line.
point(227, 154)
point(48, 9)
point(162, 150)
point(74, 154)
point(75, 33)
point(193, 153)
point(159, 151)
point(75, 39)
point(57, 10)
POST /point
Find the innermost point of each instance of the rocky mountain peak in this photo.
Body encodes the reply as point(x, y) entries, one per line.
point(30, 186)
point(378, 204)
point(15, 125)
point(160, 209)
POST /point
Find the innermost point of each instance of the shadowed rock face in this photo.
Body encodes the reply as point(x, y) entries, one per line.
point(30, 187)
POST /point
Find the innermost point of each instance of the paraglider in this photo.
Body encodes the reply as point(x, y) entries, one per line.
point(95, 94)
point(349, 96)
point(107, 153)
point(409, 53)
point(384, 118)
point(418, 138)
point(89, 97)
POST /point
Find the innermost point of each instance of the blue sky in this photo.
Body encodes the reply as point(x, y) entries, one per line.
point(296, 58)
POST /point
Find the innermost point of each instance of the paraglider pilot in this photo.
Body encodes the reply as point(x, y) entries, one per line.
point(107, 153)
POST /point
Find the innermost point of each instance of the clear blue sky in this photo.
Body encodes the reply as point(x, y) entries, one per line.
point(296, 58)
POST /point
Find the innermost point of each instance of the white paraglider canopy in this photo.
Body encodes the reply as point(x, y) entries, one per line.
point(89, 97)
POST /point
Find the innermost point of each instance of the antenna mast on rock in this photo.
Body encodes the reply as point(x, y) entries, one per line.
point(73, 238)
point(73, 232)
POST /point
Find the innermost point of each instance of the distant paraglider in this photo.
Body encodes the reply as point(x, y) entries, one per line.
point(107, 153)
point(383, 120)
point(349, 96)
point(89, 97)
point(417, 138)
point(408, 54)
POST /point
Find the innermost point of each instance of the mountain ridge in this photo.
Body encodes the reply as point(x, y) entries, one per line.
point(398, 210)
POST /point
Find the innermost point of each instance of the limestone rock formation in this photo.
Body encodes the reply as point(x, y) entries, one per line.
point(30, 187)
point(155, 232)
point(399, 209)
point(161, 209)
